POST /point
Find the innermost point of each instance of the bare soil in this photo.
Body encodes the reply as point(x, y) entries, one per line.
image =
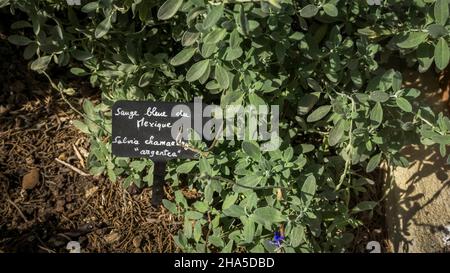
point(35, 130)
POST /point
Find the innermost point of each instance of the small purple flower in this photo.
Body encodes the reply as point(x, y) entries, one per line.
point(277, 239)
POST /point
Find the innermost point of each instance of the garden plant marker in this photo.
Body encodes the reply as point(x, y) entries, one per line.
point(144, 129)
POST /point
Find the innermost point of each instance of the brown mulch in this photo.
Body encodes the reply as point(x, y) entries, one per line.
point(36, 129)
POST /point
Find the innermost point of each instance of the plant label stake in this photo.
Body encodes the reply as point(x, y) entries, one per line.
point(158, 183)
point(146, 129)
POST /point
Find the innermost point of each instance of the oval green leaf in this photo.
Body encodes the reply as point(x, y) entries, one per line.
point(319, 113)
point(308, 190)
point(337, 133)
point(373, 162)
point(251, 149)
point(19, 40)
point(189, 38)
point(40, 64)
point(215, 36)
point(103, 27)
point(441, 11)
point(441, 54)
point(379, 96)
point(309, 11)
point(183, 56)
point(363, 206)
point(186, 167)
point(413, 39)
point(197, 70)
point(221, 76)
point(91, 6)
point(330, 10)
point(169, 9)
point(404, 104)
point(377, 113)
point(268, 215)
point(213, 16)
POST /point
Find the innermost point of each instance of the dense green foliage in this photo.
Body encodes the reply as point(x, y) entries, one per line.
point(342, 109)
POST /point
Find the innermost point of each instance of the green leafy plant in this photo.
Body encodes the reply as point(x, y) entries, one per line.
point(343, 110)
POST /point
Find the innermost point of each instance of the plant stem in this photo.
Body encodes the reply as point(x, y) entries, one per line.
point(70, 104)
point(222, 179)
point(349, 145)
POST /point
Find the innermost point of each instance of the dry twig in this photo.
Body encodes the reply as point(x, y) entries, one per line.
point(18, 209)
point(73, 168)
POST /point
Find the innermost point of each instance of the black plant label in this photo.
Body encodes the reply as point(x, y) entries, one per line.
point(145, 129)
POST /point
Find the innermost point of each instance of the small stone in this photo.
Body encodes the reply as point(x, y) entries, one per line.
point(60, 205)
point(62, 157)
point(112, 237)
point(3, 109)
point(31, 179)
point(133, 189)
point(73, 247)
point(377, 231)
point(137, 241)
point(90, 192)
point(83, 152)
point(29, 160)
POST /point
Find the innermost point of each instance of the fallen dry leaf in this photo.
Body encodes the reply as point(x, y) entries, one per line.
point(31, 179)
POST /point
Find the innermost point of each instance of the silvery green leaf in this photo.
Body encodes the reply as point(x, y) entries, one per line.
point(309, 11)
point(169, 9)
point(413, 39)
point(441, 54)
point(319, 113)
point(197, 70)
point(183, 56)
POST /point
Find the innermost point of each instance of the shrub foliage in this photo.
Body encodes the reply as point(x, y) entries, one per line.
point(343, 109)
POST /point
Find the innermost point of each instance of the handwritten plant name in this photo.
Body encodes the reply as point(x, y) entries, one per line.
point(152, 118)
point(142, 122)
